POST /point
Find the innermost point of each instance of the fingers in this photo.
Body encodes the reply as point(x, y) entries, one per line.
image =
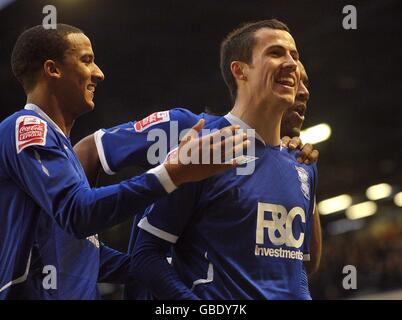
point(193, 132)
point(285, 141)
point(199, 125)
point(312, 157)
point(304, 153)
point(215, 148)
point(231, 146)
point(221, 143)
point(239, 150)
point(295, 143)
point(307, 153)
point(224, 132)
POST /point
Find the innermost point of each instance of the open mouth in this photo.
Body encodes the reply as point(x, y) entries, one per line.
point(91, 88)
point(286, 81)
point(300, 109)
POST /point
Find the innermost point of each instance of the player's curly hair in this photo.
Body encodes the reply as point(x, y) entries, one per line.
point(238, 46)
point(36, 45)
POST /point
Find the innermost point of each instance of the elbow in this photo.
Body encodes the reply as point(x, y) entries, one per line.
point(74, 217)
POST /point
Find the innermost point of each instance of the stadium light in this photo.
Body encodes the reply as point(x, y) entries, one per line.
point(379, 191)
point(398, 199)
point(316, 134)
point(334, 204)
point(361, 210)
point(345, 225)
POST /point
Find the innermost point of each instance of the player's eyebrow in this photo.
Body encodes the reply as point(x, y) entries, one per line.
point(293, 52)
point(88, 56)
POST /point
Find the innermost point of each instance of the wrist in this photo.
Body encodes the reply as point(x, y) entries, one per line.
point(174, 173)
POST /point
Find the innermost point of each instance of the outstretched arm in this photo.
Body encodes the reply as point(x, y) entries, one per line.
point(127, 144)
point(48, 174)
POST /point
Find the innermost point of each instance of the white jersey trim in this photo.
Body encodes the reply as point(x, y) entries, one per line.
point(19, 279)
point(163, 176)
point(101, 152)
point(210, 275)
point(145, 225)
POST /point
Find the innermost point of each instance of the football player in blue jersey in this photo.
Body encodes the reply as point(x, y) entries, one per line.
point(47, 204)
point(240, 236)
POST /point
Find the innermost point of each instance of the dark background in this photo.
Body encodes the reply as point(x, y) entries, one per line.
point(160, 54)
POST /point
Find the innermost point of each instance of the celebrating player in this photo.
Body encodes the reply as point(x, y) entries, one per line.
point(240, 237)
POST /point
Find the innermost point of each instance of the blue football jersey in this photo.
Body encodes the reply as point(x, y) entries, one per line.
point(50, 215)
point(241, 236)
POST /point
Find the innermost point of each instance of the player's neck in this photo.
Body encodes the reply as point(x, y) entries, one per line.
point(53, 109)
point(265, 120)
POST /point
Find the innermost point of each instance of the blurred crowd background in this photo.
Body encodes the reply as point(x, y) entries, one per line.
point(160, 54)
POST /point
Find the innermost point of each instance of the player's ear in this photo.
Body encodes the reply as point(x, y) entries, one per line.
point(239, 70)
point(51, 69)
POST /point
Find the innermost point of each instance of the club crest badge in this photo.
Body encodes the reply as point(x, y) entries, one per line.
point(94, 240)
point(303, 178)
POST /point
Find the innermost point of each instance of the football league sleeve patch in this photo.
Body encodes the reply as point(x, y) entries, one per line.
point(29, 131)
point(152, 120)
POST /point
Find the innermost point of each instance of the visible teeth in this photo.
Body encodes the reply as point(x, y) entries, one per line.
point(286, 81)
point(300, 111)
point(91, 88)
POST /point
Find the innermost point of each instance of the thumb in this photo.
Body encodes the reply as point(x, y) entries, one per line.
point(193, 132)
point(199, 125)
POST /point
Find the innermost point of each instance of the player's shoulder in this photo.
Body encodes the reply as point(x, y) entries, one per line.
point(182, 112)
point(185, 117)
point(209, 118)
point(25, 128)
point(217, 122)
point(189, 118)
point(9, 122)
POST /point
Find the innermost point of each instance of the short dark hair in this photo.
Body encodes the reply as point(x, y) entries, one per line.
point(36, 45)
point(238, 46)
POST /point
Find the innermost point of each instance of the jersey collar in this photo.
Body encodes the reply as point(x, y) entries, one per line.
point(232, 119)
point(34, 107)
